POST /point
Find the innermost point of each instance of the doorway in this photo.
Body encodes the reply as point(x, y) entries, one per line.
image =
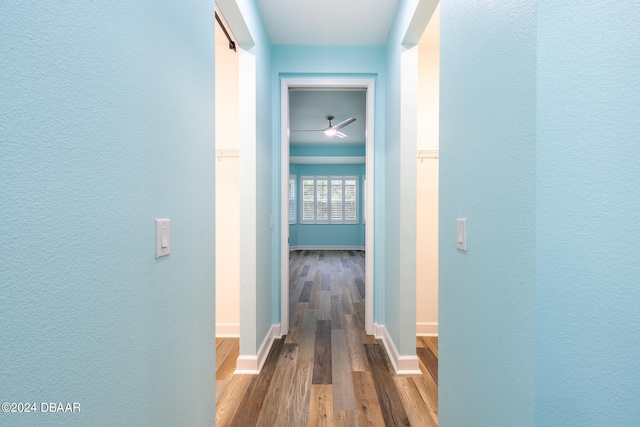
point(367, 85)
point(227, 195)
point(427, 178)
point(227, 185)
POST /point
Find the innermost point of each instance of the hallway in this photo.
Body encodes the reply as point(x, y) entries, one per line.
point(327, 371)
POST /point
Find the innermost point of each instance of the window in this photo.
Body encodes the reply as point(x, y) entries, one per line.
point(329, 200)
point(350, 201)
point(292, 199)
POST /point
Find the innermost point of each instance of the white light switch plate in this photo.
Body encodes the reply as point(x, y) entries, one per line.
point(163, 237)
point(461, 234)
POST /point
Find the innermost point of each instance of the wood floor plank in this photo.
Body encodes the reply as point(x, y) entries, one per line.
point(345, 418)
point(314, 299)
point(357, 356)
point(324, 307)
point(336, 312)
point(295, 290)
point(358, 309)
point(227, 405)
point(322, 359)
point(296, 263)
point(255, 394)
point(326, 282)
point(360, 285)
point(390, 403)
point(224, 348)
point(430, 361)
point(305, 271)
point(321, 405)
point(431, 343)
point(308, 334)
point(414, 405)
point(296, 412)
point(221, 386)
point(428, 390)
point(347, 303)
point(343, 395)
point(306, 291)
point(276, 399)
point(228, 364)
point(296, 324)
point(369, 413)
point(353, 291)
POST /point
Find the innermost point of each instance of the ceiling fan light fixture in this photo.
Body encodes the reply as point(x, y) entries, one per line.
point(330, 132)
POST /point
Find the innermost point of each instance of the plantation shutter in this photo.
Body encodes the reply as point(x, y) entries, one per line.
point(336, 200)
point(308, 200)
point(292, 199)
point(329, 200)
point(350, 200)
point(322, 199)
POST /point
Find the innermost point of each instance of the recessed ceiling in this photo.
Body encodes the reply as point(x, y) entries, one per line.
point(328, 22)
point(308, 110)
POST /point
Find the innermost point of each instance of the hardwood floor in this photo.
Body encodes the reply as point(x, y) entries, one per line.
point(327, 371)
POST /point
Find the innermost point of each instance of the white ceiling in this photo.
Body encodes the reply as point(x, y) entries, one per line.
point(309, 108)
point(328, 22)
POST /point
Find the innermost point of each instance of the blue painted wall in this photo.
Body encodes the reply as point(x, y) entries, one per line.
point(348, 235)
point(487, 175)
point(400, 194)
point(327, 150)
point(334, 61)
point(256, 315)
point(587, 214)
point(539, 150)
point(106, 123)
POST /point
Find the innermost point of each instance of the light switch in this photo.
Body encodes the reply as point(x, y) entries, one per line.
point(163, 237)
point(461, 234)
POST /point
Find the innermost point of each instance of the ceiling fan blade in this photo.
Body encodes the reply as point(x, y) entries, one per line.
point(344, 123)
point(340, 135)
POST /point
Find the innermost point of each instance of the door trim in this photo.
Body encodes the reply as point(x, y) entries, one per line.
point(335, 83)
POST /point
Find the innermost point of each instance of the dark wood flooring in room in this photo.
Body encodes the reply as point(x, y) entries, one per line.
point(326, 371)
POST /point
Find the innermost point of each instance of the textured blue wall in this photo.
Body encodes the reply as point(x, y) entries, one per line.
point(588, 211)
point(583, 62)
point(327, 150)
point(487, 175)
point(106, 123)
point(348, 235)
point(261, 313)
point(400, 196)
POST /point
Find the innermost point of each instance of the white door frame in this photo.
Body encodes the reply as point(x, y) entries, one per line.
point(334, 83)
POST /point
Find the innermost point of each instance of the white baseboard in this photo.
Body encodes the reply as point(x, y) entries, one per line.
point(402, 365)
point(427, 329)
point(326, 248)
point(252, 365)
point(227, 330)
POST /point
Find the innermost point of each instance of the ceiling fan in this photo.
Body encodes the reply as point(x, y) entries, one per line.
point(332, 130)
